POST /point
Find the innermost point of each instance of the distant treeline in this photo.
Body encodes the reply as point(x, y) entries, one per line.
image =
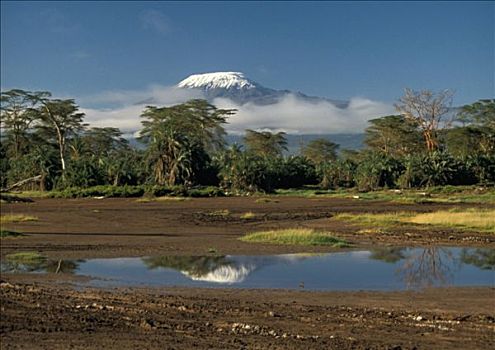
point(184, 147)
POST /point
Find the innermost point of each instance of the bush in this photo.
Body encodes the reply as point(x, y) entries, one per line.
point(377, 170)
point(101, 191)
point(434, 169)
point(337, 174)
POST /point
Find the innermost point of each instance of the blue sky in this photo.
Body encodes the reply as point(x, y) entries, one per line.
point(339, 50)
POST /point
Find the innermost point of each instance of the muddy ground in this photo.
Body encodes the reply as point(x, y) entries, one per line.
point(86, 228)
point(47, 311)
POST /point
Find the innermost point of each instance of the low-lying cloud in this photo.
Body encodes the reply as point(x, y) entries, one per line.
point(291, 114)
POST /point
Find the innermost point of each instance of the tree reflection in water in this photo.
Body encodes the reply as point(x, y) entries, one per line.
point(41, 264)
point(421, 267)
point(483, 258)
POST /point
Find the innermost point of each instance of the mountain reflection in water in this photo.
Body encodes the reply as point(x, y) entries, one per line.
point(385, 268)
point(218, 269)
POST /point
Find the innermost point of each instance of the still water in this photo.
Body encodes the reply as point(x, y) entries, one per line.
point(376, 269)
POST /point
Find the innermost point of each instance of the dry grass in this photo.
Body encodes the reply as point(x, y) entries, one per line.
point(473, 219)
point(266, 200)
point(14, 218)
point(222, 213)
point(248, 215)
point(295, 237)
point(479, 219)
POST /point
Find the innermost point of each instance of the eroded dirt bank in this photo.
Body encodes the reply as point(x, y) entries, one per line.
point(85, 228)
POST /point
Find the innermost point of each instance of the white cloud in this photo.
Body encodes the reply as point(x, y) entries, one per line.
point(156, 21)
point(126, 106)
point(296, 116)
point(290, 114)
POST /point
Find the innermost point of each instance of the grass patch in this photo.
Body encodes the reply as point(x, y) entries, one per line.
point(477, 219)
point(13, 218)
point(266, 200)
point(385, 219)
point(222, 213)
point(25, 258)
point(295, 237)
point(162, 199)
point(8, 233)
point(248, 215)
point(474, 219)
point(439, 194)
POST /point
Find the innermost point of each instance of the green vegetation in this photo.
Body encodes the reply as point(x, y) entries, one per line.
point(162, 199)
point(26, 258)
point(295, 237)
point(46, 142)
point(482, 220)
point(14, 218)
point(8, 233)
point(438, 194)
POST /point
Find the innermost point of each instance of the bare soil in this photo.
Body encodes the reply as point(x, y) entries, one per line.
point(86, 228)
point(48, 311)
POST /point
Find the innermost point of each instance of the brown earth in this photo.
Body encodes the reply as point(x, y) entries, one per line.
point(46, 311)
point(58, 317)
point(85, 228)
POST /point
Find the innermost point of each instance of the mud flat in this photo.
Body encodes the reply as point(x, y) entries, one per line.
point(61, 310)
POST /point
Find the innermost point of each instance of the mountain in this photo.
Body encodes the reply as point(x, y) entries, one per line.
point(241, 90)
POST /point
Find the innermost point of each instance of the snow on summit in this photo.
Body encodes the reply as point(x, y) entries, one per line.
point(218, 80)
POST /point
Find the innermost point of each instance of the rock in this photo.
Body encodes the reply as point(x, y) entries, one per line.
point(418, 318)
point(146, 324)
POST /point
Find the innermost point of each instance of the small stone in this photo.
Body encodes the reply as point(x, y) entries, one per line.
point(419, 318)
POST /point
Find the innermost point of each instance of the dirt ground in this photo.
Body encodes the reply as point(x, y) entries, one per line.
point(88, 228)
point(48, 311)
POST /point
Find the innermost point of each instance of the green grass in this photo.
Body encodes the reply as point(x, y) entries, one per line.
point(295, 237)
point(162, 199)
point(14, 218)
point(8, 233)
point(385, 219)
point(25, 258)
point(440, 194)
point(482, 220)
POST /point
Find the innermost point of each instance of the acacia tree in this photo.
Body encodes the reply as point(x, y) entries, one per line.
point(320, 151)
point(265, 143)
point(63, 118)
point(428, 110)
point(180, 137)
point(393, 135)
point(480, 120)
point(16, 120)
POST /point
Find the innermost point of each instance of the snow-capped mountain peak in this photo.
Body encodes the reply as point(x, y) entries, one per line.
point(217, 80)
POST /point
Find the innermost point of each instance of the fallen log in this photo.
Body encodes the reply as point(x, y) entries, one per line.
point(20, 183)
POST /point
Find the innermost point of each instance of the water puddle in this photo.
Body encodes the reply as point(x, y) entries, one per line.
point(376, 269)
